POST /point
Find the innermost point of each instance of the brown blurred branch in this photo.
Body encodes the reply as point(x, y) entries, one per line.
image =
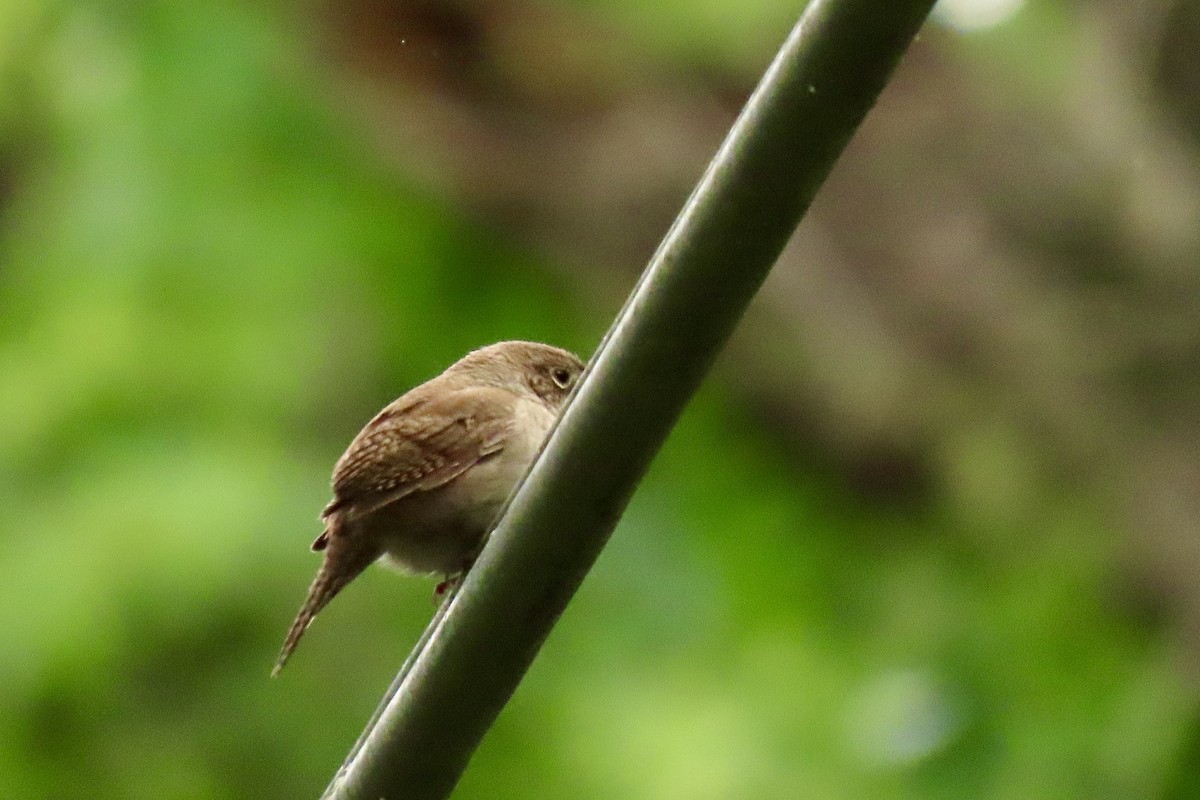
point(1040, 278)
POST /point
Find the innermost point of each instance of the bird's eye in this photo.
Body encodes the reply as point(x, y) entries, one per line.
point(561, 377)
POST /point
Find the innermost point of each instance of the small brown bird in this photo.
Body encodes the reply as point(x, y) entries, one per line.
point(426, 478)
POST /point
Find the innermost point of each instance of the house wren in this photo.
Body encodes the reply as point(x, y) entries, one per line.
point(426, 478)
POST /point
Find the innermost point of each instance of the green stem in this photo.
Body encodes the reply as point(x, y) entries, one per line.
point(714, 258)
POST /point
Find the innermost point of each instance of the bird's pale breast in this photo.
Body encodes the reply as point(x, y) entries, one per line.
point(439, 530)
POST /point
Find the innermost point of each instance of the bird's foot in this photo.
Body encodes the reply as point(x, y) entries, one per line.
point(441, 591)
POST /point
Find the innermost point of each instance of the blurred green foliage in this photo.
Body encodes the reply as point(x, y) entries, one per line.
point(209, 280)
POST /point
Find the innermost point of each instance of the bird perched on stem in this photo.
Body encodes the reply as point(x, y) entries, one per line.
point(426, 478)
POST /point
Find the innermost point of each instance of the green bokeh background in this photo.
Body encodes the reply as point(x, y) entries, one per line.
point(211, 275)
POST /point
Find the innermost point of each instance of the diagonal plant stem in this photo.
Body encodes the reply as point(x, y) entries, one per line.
point(715, 256)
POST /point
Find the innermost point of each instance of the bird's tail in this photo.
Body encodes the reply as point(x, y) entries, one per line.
point(342, 564)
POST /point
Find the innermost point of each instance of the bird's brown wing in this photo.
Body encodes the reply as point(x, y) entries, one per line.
point(417, 444)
